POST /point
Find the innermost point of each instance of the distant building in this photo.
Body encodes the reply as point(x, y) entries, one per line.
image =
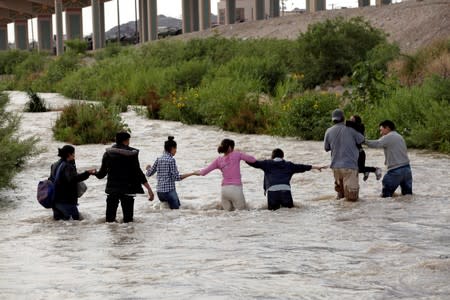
point(245, 10)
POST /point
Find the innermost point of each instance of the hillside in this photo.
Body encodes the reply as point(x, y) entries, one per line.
point(411, 24)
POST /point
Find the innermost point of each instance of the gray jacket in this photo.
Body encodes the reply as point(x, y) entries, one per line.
point(394, 146)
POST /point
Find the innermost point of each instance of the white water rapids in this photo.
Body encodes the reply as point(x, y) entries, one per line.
point(397, 248)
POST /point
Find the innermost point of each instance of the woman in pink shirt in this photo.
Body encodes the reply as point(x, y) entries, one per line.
point(229, 165)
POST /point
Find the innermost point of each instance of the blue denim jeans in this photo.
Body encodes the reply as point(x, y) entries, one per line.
point(63, 211)
point(171, 198)
point(402, 177)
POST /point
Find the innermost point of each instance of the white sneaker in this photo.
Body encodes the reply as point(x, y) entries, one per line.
point(378, 173)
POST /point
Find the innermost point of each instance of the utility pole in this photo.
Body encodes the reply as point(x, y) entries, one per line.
point(118, 22)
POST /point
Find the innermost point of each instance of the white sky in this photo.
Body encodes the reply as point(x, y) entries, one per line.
point(170, 8)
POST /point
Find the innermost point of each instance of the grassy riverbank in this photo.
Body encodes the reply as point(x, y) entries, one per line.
point(281, 87)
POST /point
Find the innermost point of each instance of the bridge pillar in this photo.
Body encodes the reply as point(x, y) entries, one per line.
point(59, 28)
point(101, 11)
point(205, 14)
point(21, 34)
point(45, 32)
point(382, 2)
point(274, 8)
point(260, 10)
point(362, 3)
point(190, 15)
point(152, 19)
point(3, 37)
point(230, 12)
point(315, 5)
point(74, 22)
point(96, 40)
point(143, 21)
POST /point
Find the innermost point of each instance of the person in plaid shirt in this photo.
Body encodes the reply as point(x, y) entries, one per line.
point(167, 173)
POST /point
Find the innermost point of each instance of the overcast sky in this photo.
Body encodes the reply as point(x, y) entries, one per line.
point(170, 8)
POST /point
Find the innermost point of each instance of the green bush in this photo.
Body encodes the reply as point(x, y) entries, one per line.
point(88, 124)
point(35, 103)
point(10, 59)
point(76, 46)
point(13, 150)
point(421, 114)
point(329, 50)
point(306, 116)
point(29, 70)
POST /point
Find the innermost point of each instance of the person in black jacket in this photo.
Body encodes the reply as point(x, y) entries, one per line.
point(66, 178)
point(125, 178)
point(356, 123)
point(277, 178)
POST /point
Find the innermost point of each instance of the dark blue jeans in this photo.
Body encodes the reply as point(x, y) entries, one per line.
point(171, 198)
point(62, 211)
point(277, 199)
point(402, 177)
point(127, 203)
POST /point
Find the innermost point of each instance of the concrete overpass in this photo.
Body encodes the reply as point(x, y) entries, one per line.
point(196, 15)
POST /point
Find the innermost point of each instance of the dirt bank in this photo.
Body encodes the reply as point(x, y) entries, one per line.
point(412, 24)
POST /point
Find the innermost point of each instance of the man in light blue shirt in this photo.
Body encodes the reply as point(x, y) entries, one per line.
point(342, 141)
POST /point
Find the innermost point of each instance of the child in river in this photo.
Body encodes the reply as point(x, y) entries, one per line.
point(167, 173)
point(356, 123)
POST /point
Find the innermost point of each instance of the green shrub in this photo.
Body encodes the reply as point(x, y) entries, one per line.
point(329, 50)
point(306, 116)
point(35, 103)
point(10, 59)
point(88, 124)
point(13, 150)
point(29, 70)
point(76, 46)
point(421, 114)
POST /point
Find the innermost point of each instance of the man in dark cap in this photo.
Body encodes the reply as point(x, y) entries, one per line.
point(342, 141)
point(125, 178)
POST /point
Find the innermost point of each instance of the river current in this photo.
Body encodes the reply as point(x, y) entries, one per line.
point(376, 248)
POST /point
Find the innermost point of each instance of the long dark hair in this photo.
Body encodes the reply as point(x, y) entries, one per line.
point(225, 145)
point(170, 143)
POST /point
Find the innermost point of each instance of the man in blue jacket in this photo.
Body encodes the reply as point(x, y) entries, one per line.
point(277, 178)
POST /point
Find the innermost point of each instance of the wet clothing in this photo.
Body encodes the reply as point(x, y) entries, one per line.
point(125, 179)
point(66, 190)
point(167, 172)
point(277, 178)
point(397, 162)
point(229, 165)
point(171, 198)
point(401, 176)
point(395, 151)
point(232, 197)
point(342, 141)
point(362, 154)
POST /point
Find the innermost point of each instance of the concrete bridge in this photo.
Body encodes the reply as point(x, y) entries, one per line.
point(196, 15)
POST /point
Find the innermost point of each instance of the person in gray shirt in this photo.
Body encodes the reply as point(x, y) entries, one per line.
point(396, 159)
point(342, 141)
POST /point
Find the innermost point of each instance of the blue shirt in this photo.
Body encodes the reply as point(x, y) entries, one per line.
point(167, 173)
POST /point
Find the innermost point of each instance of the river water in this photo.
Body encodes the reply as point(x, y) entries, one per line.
point(377, 248)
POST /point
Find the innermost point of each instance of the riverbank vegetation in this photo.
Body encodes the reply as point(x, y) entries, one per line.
point(266, 86)
point(13, 151)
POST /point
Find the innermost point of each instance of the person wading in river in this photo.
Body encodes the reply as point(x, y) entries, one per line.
point(125, 177)
point(277, 178)
point(342, 141)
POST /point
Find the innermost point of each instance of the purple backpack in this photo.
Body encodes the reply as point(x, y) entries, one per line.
point(46, 190)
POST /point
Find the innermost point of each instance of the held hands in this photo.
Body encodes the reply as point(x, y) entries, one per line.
point(92, 171)
point(320, 168)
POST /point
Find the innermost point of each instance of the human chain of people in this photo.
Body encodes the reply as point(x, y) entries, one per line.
point(125, 178)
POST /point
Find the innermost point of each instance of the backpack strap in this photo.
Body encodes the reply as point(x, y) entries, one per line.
point(57, 172)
